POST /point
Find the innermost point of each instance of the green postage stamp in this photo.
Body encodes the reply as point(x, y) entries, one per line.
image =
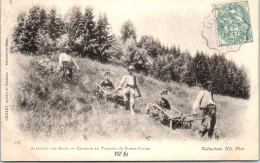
point(233, 23)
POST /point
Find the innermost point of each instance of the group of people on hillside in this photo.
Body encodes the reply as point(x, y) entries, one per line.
point(204, 100)
point(130, 90)
point(128, 85)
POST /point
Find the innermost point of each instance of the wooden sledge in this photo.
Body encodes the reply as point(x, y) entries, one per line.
point(108, 94)
point(175, 121)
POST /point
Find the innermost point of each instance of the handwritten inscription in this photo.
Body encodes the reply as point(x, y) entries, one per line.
point(121, 153)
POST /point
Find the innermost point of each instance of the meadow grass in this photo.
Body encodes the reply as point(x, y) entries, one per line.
point(47, 108)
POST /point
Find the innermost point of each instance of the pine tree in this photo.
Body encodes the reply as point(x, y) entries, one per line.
point(19, 33)
point(89, 33)
point(244, 84)
point(34, 23)
point(162, 67)
point(128, 31)
point(228, 78)
point(74, 27)
point(55, 25)
point(199, 69)
point(43, 19)
point(104, 38)
point(54, 29)
point(153, 47)
point(219, 73)
point(180, 65)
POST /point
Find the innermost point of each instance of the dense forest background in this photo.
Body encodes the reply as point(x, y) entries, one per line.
point(41, 31)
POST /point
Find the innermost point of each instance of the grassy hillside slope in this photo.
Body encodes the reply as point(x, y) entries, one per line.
point(48, 109)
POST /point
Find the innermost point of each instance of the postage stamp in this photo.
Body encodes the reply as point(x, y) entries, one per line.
point(233, 23)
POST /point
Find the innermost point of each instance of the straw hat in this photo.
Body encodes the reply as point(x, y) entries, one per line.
point(130, 68)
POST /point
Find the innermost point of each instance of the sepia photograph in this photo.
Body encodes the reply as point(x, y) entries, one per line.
point(121, 80)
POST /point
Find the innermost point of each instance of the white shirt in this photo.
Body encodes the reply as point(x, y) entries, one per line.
point(202, 100)
point(128, 80)
point(64, 58)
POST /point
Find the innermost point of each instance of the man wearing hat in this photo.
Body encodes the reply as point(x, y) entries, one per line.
point(129, 85)
point(205, 103)
point(106, 83)
point(66, 62)
point(163, 101)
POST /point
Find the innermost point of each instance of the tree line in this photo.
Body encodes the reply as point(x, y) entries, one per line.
point(43, 31)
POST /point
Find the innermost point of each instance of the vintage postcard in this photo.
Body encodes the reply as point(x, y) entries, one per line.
point(114, 80)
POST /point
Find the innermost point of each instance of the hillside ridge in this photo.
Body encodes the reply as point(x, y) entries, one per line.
point(52, 111)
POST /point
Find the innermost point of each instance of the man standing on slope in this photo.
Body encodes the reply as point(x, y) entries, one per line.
point(129, 84)
point(66, 62)
point(205, 103)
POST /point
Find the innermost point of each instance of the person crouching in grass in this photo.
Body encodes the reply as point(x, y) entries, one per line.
point(66, 63)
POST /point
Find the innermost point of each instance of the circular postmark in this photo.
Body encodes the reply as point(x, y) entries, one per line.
point(233, 23)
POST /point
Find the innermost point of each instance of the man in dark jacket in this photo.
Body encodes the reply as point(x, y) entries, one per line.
point(106, 83)
point(163, 101)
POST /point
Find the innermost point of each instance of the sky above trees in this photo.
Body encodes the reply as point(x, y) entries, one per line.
point(172, 22)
